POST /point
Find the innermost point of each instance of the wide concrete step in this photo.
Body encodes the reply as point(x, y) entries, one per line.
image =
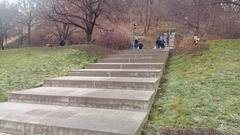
point(126, 66)
point(148, 73)
point(134, 56)
point(145, 51)
point(127, 83)
point(131, 100)
point(131, 60)
point(34, 119)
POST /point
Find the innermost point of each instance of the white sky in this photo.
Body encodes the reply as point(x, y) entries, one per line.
point(11, 1)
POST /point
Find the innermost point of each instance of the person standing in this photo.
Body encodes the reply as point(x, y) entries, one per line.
point(160, 43)
point(136, 44)
point(196, 40)
point(62, 42)
point(140, 46)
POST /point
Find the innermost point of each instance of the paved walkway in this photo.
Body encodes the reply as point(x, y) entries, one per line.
point(111, 97)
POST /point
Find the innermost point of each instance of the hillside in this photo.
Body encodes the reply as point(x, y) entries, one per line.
point(27, 68)
point(200, 90)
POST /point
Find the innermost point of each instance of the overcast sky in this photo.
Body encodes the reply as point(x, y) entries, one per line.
point(10, 0)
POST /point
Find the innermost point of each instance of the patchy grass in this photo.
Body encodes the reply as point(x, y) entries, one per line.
point(93, 50)
point(200, 90)
point(27, 68)
point(196, 131)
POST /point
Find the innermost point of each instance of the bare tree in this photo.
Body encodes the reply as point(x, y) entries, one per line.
point(7, 21)
point(64, 30)
point(28, 15)
point(80, 13)
point(148, 15)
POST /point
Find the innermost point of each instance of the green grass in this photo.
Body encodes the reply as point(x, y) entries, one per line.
point(201, 90)
point(27, 68)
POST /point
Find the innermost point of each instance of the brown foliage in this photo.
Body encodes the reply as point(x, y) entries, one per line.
point(117, 39)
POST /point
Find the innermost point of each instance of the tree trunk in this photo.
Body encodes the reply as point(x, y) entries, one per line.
point(198, 15)
point(88, 36)
point(1, 43)
point(140, 18)
point(89, 32)
point(146, 17)
point(198, 21)
point(21, 38)
point(150, 16)
point(6, 39)
point(29, 34)
point(157, 22)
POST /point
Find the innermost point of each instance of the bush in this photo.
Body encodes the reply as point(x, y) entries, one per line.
point(118, 39)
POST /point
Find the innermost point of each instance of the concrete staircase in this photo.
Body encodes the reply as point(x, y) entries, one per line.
point(112, 97)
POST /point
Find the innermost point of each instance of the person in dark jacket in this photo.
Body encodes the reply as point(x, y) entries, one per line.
point(136, 44)
point(140, 46)
point(62, 42)
point(160, 43)
point(157, 43)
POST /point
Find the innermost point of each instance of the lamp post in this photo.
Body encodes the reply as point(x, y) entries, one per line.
point(134, 29)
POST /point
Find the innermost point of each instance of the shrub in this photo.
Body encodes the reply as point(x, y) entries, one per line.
point(117, 39)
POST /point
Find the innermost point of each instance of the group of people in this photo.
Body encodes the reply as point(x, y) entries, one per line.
point(160, 42)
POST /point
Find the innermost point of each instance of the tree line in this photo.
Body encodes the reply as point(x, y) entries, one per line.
point(65, 18)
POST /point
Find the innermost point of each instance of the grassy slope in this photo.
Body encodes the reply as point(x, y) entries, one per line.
point(27, 68)
point(201, 90)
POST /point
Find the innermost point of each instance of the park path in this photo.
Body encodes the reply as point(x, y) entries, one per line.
point(112, 97)
point(13, 39)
